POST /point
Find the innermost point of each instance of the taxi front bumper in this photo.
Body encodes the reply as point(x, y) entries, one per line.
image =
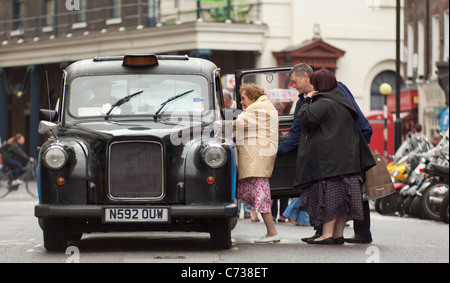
point(226, 210)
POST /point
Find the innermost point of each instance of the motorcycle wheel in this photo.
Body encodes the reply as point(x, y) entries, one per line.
point(443, 211)
point(416, 208)
point(407, 204)
point(432, 192)
point(378, 206)
point(386, 205)
point(399, 206)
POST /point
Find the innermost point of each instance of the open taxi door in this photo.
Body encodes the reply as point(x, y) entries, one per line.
point(277, 86)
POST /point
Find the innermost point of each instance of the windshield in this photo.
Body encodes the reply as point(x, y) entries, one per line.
point(94, 95)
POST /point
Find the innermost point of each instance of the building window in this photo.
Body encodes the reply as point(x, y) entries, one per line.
point(49, 12)
point(376, 99)
point(410, 63)
point(81, 14)
point(446, 36)
point(435, 44)
point(421, 50)
point(116, 9)
point(154, 12)
point(18, 14)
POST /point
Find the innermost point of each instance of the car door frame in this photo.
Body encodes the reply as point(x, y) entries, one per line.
point(284, 168)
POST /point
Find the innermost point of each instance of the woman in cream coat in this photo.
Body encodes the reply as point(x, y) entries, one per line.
point(257, 142)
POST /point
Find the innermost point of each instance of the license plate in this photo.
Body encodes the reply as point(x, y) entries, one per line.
point(136, 214)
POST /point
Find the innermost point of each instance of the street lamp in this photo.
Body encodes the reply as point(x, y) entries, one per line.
point(385, 90)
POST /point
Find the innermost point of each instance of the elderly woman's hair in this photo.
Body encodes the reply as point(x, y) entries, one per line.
point(323, 80)
point(252, 91)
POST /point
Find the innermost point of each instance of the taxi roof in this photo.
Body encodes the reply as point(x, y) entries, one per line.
point(167, 64)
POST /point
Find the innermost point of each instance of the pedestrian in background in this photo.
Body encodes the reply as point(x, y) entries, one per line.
point(295, 215)
point(257, 143)
point(332, 155)
point(15, 157)
point(228, 99)
point(279, 209)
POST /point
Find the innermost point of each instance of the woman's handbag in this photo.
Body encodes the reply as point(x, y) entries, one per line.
point(378, 180)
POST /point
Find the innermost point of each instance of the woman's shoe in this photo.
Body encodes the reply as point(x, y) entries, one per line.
point(264, 240)
point(310, 238)
point(327, 241)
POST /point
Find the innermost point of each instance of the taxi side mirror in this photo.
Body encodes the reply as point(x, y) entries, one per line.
point(48, 115)
point(46, 127)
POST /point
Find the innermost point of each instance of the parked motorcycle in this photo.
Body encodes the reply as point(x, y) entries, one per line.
point(399, 173)
point(443, 210)
point(407, 175)
point(398, 170)
point(432, 194)
point(407, 194)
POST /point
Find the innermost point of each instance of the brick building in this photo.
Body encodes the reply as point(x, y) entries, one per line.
point(426, 48)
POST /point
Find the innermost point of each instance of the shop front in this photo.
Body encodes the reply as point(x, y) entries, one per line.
point(409, 102)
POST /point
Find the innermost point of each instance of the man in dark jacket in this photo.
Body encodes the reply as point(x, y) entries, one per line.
point(300, 76)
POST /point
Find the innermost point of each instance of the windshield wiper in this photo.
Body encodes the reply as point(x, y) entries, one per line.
point(169, 100)
point(121, 101)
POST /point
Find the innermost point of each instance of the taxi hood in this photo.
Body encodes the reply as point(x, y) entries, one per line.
point(162, 129)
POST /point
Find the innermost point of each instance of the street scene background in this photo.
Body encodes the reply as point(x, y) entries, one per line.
point(39, 39)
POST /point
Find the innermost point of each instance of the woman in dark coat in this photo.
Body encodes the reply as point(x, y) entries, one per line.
point(332, 157)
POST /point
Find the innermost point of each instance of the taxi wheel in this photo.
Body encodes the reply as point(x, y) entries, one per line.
point(220, 232)
point(54, 237)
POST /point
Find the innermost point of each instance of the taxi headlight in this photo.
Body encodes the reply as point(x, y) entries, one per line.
point(214, 156)
point(55, 157)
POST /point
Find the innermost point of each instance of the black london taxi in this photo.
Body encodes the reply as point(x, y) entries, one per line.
point(132, 147)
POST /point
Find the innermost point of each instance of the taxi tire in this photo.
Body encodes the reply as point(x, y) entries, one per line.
point(54, 237)
point(220, 232)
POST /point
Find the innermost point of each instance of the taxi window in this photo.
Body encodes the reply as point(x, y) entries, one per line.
point(93, 96)
point(278, 89)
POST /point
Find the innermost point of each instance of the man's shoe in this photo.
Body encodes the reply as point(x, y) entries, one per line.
point(358, 240)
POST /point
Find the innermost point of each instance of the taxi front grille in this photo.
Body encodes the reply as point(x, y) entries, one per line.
point(136, 170)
